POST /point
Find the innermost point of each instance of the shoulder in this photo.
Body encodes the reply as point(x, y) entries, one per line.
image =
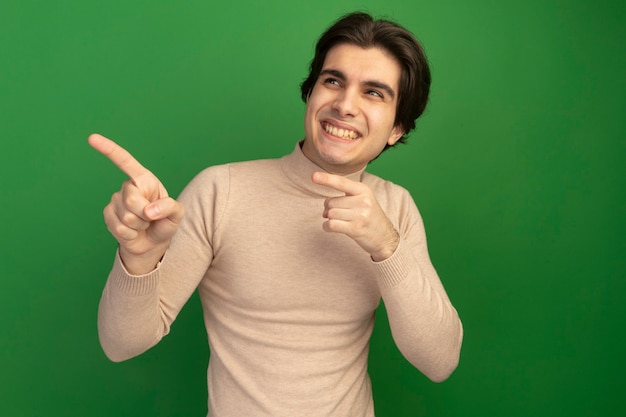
point(395, 200)
point(385, 188)
point(219, 179)
point(219, 174)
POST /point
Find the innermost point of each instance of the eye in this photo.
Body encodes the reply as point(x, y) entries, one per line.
point(331, 81)
point(374, 93)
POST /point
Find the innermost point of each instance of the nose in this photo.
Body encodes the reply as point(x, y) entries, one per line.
point(346, 103)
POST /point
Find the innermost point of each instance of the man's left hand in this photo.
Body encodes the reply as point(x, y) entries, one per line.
point(358, 215)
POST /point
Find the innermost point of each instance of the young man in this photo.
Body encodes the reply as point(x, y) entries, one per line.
point(291, 256)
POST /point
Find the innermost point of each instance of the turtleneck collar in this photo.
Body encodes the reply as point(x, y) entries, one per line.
point(299, 169)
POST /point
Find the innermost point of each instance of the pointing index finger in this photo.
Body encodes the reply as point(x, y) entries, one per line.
point(337, 182)
point(118, 155)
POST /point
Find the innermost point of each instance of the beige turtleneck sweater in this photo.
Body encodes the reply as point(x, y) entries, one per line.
point(288, 308)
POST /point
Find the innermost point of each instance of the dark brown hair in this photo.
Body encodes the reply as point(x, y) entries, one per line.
point(362, 30)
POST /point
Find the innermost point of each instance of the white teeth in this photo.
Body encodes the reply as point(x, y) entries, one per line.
point(340, 133)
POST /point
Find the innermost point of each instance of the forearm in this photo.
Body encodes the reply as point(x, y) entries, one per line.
point(129, 318)
point(424, 324)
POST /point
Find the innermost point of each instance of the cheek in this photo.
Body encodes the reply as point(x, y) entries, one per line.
point(383, 121)
point(314, 100)
point(313, 105)
point(309, 118)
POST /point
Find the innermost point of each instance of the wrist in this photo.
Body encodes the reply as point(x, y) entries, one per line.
point(386, 250)
point(141, 264)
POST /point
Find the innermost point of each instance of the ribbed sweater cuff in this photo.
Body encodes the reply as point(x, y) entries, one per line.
point(394, 269)
point(135, 285)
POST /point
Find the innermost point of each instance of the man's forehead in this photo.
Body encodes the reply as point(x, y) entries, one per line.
point(371, 64)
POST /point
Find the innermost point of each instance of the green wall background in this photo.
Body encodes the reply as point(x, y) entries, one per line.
point(517, 167)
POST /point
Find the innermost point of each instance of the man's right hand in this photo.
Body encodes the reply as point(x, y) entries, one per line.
point(141, 216)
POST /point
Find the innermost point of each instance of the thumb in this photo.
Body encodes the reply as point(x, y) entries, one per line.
point(165, 208)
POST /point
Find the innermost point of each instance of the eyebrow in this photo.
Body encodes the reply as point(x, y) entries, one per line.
point(368, 83)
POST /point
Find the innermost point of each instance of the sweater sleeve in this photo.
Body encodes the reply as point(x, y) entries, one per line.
point(136, 312)
point(425, 326)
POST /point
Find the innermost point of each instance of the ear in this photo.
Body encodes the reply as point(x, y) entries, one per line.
point(396, 134)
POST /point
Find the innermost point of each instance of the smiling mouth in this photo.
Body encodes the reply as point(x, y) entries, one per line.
point(340, 132)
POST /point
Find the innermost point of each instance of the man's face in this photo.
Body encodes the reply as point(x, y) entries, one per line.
point(351, 110)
